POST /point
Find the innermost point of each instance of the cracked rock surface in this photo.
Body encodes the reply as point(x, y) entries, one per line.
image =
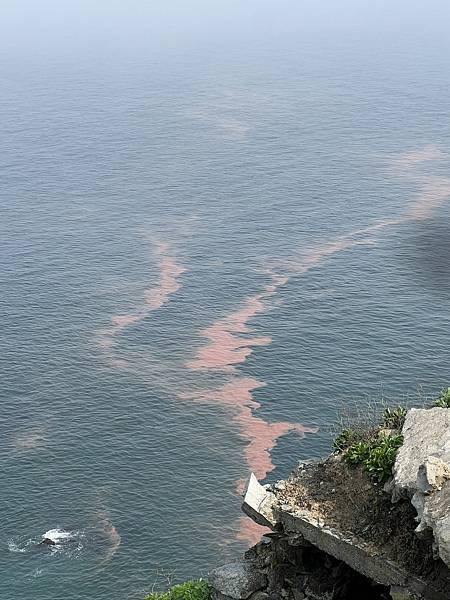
point(422, 473)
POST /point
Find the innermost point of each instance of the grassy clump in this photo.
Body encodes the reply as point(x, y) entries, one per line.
point(373, 442)
point(393, 418)
point(444, 399)
point(189, 590)
point(345, 439)
point(375, 445)
point(377, 456)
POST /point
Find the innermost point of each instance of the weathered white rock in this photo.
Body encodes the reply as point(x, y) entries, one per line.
point(426, 434)
point(237, 580)
point(422, 473)
point(432, 474)
point(259, 503)
point(435, 514)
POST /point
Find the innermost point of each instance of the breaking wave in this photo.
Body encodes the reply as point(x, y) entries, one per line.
point(69, 543)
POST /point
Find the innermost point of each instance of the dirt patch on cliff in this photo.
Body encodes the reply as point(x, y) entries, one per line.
point(345, 498)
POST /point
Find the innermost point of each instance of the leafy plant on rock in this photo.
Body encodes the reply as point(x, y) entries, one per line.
point(346, 438)
point(381, 458)
point(394, 418)
point(358, 453)
point(376, 456)
point(189, 590)
point(444, 399)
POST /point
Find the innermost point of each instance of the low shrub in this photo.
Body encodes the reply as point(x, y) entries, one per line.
point(189, 590)
point(358, 453)
point(444, 399)
point(394, 418)
point(377, 456)
point(381, 458)
point(346, 438)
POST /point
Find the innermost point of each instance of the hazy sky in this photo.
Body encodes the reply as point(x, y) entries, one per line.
point(59, 27)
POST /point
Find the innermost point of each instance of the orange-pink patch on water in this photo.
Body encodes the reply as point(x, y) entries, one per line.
point(122, 321)
point(263, 437)
point(168, 283)
point(250, 532)
point(226, 348)
point(113, 537)
point(435, 192)
point(154, 298)
point(413, 158)
point(235, 393)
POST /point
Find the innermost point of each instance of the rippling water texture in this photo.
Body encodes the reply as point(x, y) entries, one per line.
point(203, 259)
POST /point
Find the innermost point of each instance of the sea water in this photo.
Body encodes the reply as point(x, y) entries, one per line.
point(206, 256)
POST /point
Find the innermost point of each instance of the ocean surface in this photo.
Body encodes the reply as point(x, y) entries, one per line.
point(206, 258)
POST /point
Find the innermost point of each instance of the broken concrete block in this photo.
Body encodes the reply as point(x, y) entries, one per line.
point(259, 504)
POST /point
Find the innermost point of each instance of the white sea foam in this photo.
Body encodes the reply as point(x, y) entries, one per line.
point(13, 547)
point(21, 546)
point(58, 535)
point(69, 543)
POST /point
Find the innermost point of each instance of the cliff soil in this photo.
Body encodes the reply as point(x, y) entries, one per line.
point(345, 498)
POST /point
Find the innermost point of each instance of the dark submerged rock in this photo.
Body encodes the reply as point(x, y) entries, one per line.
point(47, 542)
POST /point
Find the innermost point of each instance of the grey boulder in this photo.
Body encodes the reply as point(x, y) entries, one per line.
point(237, 580)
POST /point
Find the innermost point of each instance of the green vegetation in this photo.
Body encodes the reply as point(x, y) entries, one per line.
point(190, 590)
point(376, 456)
point(375, 446)
point(345, 439)
point(373, 442)
point(444, 399)
point(393, 418)
point(358, 453)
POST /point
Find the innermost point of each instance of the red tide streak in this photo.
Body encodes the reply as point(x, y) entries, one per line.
point(122, 321)
point(168, 284)
point(226, 349)
point(250, 532)
point(408, 160)
point(262, 438)
point(154, 298)
point(435, 192)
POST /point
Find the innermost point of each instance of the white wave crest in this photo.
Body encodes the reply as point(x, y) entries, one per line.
point(58, 535)
point(13, 547)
